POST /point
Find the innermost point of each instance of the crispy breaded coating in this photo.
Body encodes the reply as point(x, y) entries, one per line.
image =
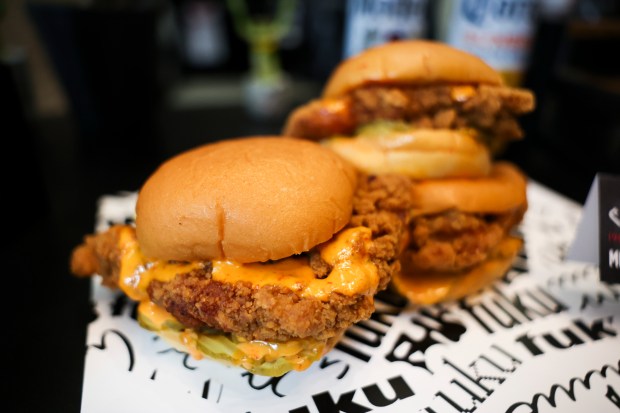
point(99, 254)
point(453, 241)
point(270, 313)
point(382, 203)
point(490, 109)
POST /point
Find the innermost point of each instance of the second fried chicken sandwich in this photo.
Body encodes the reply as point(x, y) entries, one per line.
point(437, 116)
point(250, 251)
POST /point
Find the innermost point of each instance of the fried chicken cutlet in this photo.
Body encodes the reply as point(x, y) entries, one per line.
point(267, 312)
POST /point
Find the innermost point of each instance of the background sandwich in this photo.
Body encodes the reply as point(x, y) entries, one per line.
point(438, 116)
point(257, 251)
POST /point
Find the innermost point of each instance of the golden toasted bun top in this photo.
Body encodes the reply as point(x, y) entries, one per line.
point(247, 199)
point(409, 62)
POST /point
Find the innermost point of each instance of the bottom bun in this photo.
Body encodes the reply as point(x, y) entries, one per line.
point(431, 288)
point(257, 356)
point(416, 153)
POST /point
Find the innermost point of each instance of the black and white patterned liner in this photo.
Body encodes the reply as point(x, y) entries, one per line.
point(545, 338)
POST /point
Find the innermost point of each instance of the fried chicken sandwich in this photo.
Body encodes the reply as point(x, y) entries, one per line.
point(439, 117)
point(256, 251)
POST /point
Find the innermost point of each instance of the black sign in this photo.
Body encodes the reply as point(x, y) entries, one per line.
point(609, 227)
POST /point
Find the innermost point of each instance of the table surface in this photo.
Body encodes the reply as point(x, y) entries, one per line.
point(54, 205)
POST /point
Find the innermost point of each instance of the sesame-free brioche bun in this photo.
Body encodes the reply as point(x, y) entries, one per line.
point(249, 199)
point(409, 62)
point(417, 153)
point(502, 190)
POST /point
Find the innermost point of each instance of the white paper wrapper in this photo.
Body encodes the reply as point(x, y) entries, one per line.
point(546, 338)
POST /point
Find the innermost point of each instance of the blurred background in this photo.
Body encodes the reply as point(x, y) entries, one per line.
point(148, 78)
point(96, 93)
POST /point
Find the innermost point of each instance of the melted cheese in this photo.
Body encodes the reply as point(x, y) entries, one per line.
point(347, 253)
point(352, 272)
point(137, 271)
point(462, 93)
point(253, 355)
point(157, 316)
point(160, 320)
